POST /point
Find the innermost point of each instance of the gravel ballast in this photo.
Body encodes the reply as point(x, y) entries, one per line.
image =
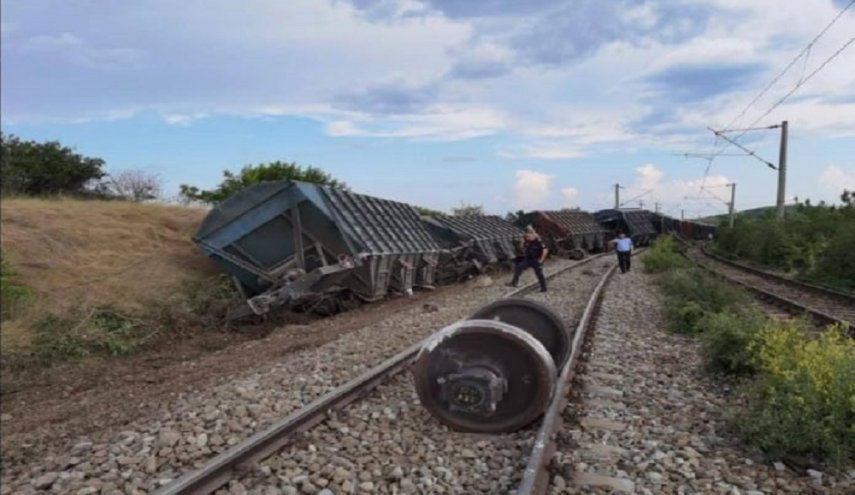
point(388, 443)
point(183, 433)
point(647, 416)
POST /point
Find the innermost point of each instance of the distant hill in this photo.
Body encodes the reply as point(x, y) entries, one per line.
point(751, 213)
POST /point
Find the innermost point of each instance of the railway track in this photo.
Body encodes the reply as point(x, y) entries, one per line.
point(824, 306)
point(381, 405)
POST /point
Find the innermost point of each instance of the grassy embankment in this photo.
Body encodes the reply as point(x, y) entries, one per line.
point(90, 278)
point(797, 388)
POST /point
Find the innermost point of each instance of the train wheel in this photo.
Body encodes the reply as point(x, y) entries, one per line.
point(484, 376)
point(535, 319)
point(576, 254)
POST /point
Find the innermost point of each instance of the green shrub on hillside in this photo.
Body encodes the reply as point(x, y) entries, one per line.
point(101, 332)
point(12, 295)
point(836, 266)
point(727, 337)
point(814, 242)
point(802, 403)
point(663, 256)
point(692, 295)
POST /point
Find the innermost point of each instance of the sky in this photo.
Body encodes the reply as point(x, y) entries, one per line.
point(508, 104)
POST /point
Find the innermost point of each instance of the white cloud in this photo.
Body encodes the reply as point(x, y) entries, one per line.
point(183, 119)
point(76, 51)
point(439, 122)
point(836, 179)
point(531, 189)
point(650, 186)
point(648, 176)
point(570, 196)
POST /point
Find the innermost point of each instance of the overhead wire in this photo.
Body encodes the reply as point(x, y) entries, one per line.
point(805, 52)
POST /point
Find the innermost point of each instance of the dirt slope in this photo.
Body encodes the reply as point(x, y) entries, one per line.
point(76, 257)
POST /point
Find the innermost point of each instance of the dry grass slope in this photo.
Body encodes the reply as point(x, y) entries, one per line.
point(77, 255)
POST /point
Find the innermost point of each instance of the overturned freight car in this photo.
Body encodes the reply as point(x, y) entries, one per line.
point(664, 224)
point(568, 233)
point(471, 243)
point(298, 244)
point(634, 222)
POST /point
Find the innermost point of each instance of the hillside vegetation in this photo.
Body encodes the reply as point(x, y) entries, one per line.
point(796, 386)
point(88, 277)
point(815, 242)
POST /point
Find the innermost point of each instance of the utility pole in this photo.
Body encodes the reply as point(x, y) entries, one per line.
point(617, 196)
point(682, 215)
point(782, 172)
point(732, 202)
point(641, 204)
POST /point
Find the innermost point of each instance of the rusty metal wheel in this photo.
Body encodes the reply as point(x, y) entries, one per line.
point(576, 254)
point(534, 318)
point(484, 376)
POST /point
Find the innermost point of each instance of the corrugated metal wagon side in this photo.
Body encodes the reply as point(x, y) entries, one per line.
point(294, 243)
point(570, 233)
point(472, 242)
point(635, 222)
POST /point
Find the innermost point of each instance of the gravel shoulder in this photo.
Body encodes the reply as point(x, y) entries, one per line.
point(134, 438)
point(645, 414)
point(388, 443)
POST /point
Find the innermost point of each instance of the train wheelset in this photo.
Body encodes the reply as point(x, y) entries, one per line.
point(495, 372)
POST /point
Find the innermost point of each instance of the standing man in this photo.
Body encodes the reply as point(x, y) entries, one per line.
point(534, 254)
point(623, 246)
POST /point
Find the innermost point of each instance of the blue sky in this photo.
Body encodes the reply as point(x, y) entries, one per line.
point(538, 104)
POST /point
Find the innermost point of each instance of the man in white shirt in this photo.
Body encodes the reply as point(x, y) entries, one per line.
point(623, 246)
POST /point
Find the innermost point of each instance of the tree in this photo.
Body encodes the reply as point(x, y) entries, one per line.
point(427, 212)
point(36, 169)
point(515, 217)
point(848, 197)
point(134, 185)
point(467, 210)
point(253, 174)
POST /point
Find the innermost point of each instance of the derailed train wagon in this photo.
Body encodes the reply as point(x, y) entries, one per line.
point(493, 239)
point(664, 224)
point(699, 231)
point(471, 243)
point(294, 243)
point(634, 222)
point(568, 233)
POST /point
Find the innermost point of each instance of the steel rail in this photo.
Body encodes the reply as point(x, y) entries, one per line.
point(220, 469)
point(820, 317)
point(536, 475)
point(815, 288)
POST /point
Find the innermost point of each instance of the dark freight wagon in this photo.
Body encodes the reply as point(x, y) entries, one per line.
point(292, 243)
point(471, 243)
point(663, 224)
point(492, 238)
point(634, 222)
point(568, 233)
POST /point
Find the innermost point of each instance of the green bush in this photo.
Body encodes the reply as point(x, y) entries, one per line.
point(692, 295)
point(802, 403)
point(102, 332)
point(684, 317)
point(12, 295)
point(837, 265)
point(727, 337)
point(814, 242)
point(663, 256)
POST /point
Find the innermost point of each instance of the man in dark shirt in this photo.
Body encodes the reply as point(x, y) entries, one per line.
point(534, 253)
